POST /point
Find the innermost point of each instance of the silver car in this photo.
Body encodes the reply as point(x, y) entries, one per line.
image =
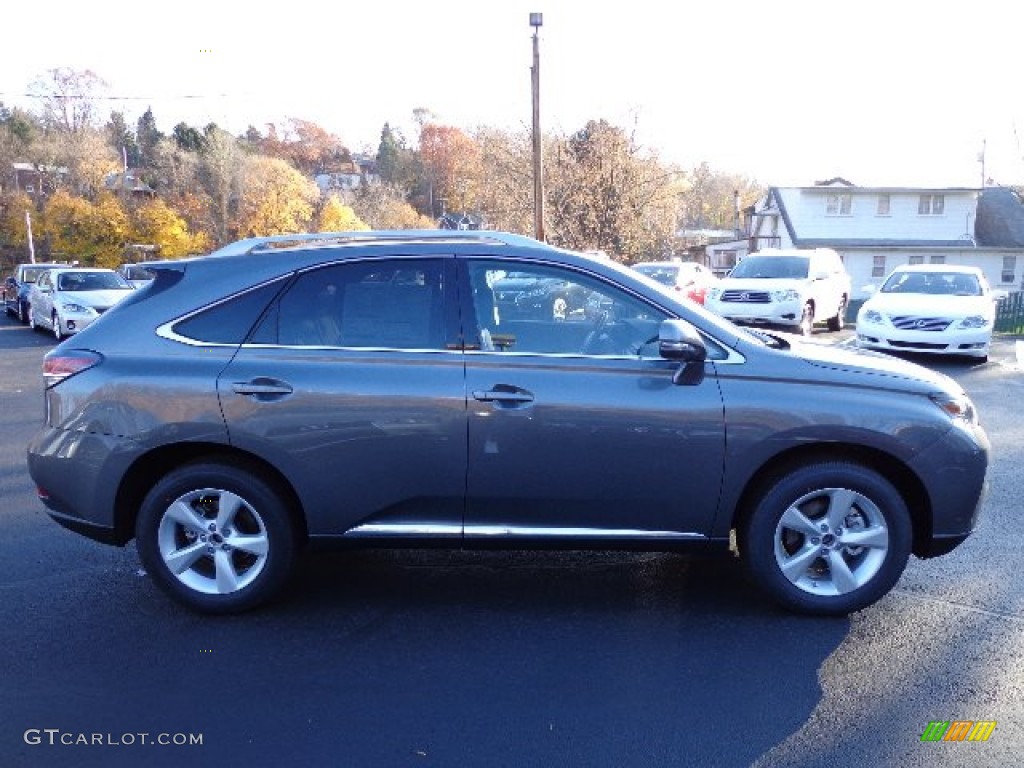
point(67, 299)
point(364, 389)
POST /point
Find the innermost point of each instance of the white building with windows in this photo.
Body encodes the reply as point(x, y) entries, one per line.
point(875, 229)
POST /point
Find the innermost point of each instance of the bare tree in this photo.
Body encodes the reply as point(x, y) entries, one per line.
point(69, 98)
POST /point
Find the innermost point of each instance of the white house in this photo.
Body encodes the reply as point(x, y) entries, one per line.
point(875, 229)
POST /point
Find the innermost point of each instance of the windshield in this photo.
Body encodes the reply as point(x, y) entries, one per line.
point(29, 275)
point(90, 281)
point(934, 283)
point(772, 267)
point(664, 275)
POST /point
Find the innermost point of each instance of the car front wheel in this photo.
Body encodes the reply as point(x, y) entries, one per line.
point(806, 327)
point(828, 538)
point(216, 537)
point(58, 331)
point(836, 323)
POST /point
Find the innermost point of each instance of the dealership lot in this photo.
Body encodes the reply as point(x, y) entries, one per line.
point(505, 658)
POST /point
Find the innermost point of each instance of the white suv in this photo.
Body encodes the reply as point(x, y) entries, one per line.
point(793, 288)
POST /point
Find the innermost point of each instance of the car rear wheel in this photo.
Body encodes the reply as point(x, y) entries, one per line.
point(216, 537)
point(828, 538)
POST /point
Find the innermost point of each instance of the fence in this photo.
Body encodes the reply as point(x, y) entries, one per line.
point(1010, 314)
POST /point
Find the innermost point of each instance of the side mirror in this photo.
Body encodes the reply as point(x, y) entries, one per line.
point(820, 276)
point(868, 289)
point(679, 341)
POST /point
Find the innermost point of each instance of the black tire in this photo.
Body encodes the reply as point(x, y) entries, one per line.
point(23, 312)
point(836, 323)
point(254, 550)
point(806, 326)
point(868, 509)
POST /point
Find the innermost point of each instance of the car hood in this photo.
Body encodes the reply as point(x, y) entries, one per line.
point(930, 304)
point(96, 299)
point(870, 363)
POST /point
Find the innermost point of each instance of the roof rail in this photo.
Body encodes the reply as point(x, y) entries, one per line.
point(253, 244)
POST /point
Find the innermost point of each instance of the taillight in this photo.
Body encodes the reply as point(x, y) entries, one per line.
point(57, 367)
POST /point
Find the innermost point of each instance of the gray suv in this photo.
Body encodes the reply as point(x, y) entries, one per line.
point(367, 390)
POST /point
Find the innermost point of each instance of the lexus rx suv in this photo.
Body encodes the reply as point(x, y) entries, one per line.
point(363, 389)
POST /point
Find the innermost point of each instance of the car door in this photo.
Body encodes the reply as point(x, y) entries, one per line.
point(575, 425)
point(353, 386)
point(41, 297)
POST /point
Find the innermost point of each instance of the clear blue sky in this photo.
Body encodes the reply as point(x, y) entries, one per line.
point(900, 92)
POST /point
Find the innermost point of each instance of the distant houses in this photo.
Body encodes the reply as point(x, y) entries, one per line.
point(875, 229)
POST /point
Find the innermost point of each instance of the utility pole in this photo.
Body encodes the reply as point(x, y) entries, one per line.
point(536, 21)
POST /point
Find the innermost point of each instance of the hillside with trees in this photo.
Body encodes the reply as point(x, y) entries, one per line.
point(99, 189)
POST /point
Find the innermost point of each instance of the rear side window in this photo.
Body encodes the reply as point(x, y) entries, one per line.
point(395, 304)
point(229, 322)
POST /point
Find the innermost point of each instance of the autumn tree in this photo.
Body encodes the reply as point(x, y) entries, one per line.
point(451, 160)
point(274, 198)
point(305, 145)
point(13, 226)
point(604, 192)
point(155, 223)
point(384, 207)
point(68, 98)
point(220, 172)
point(94, 233)
point(710, 199)
point(505, 183)
point(335, 216)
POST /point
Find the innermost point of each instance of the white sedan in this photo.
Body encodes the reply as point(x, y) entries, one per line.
point(66, 300)
point(931, 308)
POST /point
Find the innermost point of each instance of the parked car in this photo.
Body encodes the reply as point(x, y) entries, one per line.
point(248, 405)
point(138, 275)
point(937, 309)
point(67, 299)
point(791, 288)
point(526, 296)
point(688, 277)
point(17, 287)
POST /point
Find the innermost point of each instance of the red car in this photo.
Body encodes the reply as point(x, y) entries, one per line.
point(689, 277)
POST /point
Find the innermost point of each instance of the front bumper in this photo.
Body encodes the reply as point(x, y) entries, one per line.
point(973, 342)
point(771, 313)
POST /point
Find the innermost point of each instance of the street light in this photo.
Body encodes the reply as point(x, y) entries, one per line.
point(536, 21)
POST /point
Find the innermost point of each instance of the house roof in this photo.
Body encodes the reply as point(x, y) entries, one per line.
point(1000, 220)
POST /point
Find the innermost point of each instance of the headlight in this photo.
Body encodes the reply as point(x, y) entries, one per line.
point(974, 321)
point(69, 307)
point(788, 294)
point(957, 407)
point(871, 316)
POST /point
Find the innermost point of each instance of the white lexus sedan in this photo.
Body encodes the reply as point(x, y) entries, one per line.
point(931, 308)
point(66, 300)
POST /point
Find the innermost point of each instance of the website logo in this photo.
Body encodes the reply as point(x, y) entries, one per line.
point(958, 730)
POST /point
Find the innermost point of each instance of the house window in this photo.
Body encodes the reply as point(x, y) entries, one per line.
point(931, 205)
point(878, 267)
point(883, 205)
point(838, 204)
point(938, 259)
point(1009, 273)
point(917, 258)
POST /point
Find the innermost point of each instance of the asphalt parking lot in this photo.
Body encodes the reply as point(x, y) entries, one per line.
point(427, 658)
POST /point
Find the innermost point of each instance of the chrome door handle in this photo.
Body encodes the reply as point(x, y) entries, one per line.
point(502, 396)
point(261, 387)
